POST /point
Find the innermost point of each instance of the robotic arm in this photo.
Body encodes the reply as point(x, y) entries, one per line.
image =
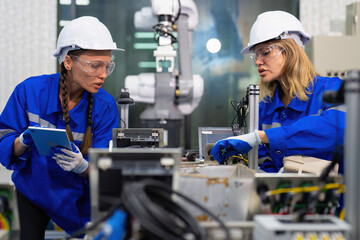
point(170, 92)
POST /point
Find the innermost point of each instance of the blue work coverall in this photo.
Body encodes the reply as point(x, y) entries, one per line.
point(310, 128)
point(64, 196)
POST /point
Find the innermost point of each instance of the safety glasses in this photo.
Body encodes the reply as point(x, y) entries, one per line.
point(267, 53)
point(94, 68)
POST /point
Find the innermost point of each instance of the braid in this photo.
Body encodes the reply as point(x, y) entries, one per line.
point(64, 95)
point(87, 141)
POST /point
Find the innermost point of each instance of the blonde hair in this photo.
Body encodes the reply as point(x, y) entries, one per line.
point(87, 141)
point(298, 72)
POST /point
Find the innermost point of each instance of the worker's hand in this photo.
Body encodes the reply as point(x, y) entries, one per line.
point(70, 160)
point(235, 145)
point(25, 138)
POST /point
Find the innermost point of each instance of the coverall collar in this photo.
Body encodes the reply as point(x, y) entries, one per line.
point(295, 103)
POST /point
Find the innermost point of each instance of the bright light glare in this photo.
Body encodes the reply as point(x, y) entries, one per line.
point(213, 45)
point(65, 2)
point(78, 2)
point(83, 2)
point(62, 23)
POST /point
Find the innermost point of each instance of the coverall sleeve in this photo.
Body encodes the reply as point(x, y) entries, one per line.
point(264, 158)
point(13, 121)
point(315, 136)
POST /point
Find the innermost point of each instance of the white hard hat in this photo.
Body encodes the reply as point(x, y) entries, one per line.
point(276, 25)
point(84, 33)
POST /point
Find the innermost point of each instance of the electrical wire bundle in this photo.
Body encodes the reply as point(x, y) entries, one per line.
point(281, 200)
point(239, 121)
point(151, 202)
point(336, 158)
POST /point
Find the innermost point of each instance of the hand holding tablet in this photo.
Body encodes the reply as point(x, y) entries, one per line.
point(47, 138)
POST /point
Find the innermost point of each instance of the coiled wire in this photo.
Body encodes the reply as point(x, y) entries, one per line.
point(151, 202)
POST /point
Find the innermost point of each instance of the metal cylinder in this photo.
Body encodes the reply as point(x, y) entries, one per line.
point(253, 95)
point(124, 114)
point(124, 100)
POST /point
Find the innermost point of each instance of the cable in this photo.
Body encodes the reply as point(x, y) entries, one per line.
point(159, 29)
point(335, 160)
point(123, 122)
point(323, 178)
point(96, 223)
point(239, 121)
point(179, 12)
point(140, 203)
point(342, 214)
point(151, 202)
point(303, 189)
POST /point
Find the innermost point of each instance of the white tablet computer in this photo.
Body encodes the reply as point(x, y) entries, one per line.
point(47, 138)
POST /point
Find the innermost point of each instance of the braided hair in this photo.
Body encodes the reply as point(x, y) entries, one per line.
point(87, 141)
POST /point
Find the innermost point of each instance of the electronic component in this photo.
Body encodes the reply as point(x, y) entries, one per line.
point(290, 193)
point(239, 121)
point(283, 227)
point(239, 230)
point(111, 169)
point(138, 137)
point(210, 135)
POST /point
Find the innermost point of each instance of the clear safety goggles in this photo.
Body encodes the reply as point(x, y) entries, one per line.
point(267, 53)
point(94, 68)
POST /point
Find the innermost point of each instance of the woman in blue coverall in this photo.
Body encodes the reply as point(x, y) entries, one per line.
point(293, 119)
point(57, 187)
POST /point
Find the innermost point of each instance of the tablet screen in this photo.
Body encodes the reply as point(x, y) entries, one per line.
point(47, 138)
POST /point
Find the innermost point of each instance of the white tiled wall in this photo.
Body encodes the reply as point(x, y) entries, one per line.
point(28, 32)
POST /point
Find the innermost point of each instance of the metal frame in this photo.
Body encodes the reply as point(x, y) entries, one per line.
point(352, 152)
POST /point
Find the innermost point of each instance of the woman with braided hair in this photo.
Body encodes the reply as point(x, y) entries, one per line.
point(57, 186)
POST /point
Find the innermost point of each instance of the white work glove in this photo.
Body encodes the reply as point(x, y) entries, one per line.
point(26, 139)
point(70, 160)
point(235, 145)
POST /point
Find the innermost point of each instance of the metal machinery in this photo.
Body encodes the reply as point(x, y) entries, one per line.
point(210, 135)
point(282, 227)
point(254, 205)
point(244, 199)
point(138, 137)
point(207, 136)
point(111, 170)
point(171, 93)
point(352, 152)
point(335, 55)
